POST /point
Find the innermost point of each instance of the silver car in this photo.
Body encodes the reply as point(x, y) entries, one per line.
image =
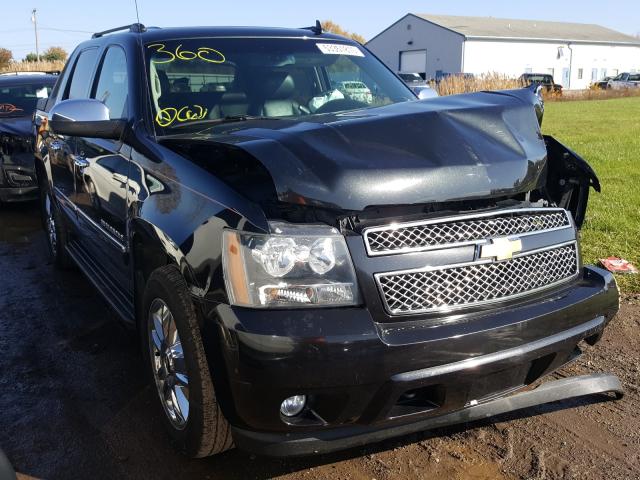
point(625, 80)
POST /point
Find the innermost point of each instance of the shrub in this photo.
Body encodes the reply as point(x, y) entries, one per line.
point(454, 84)
point(5, 57)
point(32, 66)
point(55, 54)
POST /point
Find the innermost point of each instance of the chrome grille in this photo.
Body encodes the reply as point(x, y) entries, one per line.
point(465, 229)
point(455, 286)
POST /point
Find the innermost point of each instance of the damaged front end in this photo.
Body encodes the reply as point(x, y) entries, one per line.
point(461, 220)
point(17, 176)
point(450, 154)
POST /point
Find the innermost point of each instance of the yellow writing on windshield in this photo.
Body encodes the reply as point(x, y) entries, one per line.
point(170, 115)
point(206, 54)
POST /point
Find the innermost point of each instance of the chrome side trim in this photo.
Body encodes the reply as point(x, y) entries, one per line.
point(457, 218)
point(447, 309)
point(123, 248)
point(585, 330)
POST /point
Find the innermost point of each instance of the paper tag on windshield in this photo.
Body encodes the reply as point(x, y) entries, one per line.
point(339, 49)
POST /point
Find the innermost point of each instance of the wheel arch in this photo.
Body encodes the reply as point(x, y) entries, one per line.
point(151, 249)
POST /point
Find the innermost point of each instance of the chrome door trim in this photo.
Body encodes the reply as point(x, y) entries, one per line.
point(123, 247)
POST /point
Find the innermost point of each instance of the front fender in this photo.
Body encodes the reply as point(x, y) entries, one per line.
point(569, 178)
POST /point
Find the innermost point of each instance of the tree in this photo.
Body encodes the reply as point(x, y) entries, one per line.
point(55, 54)
point(31, 57)
point(333, 27)
point(5, 57)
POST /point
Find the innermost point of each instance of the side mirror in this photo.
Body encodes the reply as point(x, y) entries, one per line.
point(427, 92)
point(85, 117)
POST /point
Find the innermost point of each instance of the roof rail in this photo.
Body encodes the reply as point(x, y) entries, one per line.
point(134, 27)
point(316, 29)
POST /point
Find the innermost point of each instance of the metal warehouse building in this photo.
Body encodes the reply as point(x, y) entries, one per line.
point(575, 54)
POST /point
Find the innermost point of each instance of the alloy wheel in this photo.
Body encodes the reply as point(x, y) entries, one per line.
point(168, 364)
point(50, 225)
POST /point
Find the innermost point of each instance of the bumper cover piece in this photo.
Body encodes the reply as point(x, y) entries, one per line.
point(287, 444)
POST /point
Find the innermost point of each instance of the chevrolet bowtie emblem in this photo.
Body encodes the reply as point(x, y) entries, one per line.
point(501, 248)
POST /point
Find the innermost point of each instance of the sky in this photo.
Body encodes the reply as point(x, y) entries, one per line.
point(65, 23)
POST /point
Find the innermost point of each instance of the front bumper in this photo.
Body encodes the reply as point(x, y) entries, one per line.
point(366, 380)
point(322, 442)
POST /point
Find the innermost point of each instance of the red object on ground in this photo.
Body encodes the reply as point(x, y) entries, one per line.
point(618, 265)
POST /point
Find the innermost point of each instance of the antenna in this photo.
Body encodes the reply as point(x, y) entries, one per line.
point(137, 14)
point(316, 29)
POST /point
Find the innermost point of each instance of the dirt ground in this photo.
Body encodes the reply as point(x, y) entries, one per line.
point(74, 403)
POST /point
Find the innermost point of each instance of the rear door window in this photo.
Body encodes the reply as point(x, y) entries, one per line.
point(82, 74)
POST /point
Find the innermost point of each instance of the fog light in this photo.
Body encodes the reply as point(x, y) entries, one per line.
point(292, 406)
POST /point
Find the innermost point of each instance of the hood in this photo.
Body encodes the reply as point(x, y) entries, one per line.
point(445, 149)
point(20, 126)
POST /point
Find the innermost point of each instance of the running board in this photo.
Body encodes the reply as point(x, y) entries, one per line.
point(292, 444)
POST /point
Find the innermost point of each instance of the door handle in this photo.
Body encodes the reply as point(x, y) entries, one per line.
point(118, 177)
point(81, 162)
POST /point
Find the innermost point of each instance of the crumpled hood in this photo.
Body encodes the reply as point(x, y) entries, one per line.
point(449, 148)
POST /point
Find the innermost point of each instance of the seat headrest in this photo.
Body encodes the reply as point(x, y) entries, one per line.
point(277, 86)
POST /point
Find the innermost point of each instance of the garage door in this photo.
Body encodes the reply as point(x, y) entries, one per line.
point(413, 61)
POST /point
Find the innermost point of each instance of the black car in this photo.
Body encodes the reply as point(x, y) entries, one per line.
point(543, 79)
point(18, 97)
point(603, 83)
point(309, 271)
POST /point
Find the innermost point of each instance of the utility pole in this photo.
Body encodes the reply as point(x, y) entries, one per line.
point(35, 28)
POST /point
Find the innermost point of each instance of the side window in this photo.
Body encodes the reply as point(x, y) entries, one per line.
point(82, 73)
point(113, 86)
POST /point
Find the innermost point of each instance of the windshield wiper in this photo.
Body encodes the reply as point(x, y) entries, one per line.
point(227, 119)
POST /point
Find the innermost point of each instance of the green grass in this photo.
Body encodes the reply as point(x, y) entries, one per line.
point(607, 134)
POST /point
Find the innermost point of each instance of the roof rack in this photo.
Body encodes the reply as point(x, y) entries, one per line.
point(316, 29)
point(134, 27)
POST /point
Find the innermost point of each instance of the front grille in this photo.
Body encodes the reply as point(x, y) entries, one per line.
point(465, 229)
point(456, 286)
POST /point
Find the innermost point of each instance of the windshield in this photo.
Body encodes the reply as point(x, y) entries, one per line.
point(220, 79)
point(411, 77)
point(20, 100)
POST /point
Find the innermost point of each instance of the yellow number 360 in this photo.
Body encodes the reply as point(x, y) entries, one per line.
point(206, 54)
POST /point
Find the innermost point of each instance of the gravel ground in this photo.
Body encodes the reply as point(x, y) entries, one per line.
point(74, 402)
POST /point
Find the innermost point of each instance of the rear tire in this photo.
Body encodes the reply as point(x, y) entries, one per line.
point(172, 345)
point(54, 229)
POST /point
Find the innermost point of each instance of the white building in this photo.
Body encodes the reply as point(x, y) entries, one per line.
point(575, 54)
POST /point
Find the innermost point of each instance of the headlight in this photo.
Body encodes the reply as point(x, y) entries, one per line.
point(295, 266)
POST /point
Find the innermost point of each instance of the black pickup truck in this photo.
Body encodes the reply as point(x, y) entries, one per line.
point(543, 79)
point(309, 269)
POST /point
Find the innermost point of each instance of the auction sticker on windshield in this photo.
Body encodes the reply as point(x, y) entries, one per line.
point(339, 49)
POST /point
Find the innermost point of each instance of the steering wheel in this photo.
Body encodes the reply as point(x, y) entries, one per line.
point(340, 104)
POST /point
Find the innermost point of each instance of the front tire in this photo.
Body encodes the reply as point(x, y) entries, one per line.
point(174, 352)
